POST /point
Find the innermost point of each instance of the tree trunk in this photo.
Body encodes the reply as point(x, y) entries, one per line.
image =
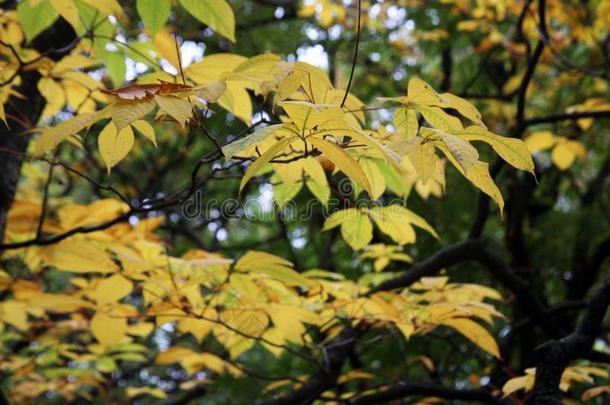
point(23, 113)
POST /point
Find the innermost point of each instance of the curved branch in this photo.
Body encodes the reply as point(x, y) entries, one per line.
point(554, 356)
point(406, 389)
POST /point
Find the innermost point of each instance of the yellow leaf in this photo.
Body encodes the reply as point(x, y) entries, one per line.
point(165, 45)
point(424, 160)
point(176, 107)
point(404, 146)
point(112, 289)
point(114, 146)
point(14, 313)
point(463, 107)
point(461, 150)
point(57, 302)
point(254, 259)
point(237, 101)
point(124, 112)
point(79, 256)
point(475, 333)
point(563, 156)
point(439, 119)
point(145, 129)
point(265, 158)
point(540, 140)
point(67, 9)
point(3, 114)
point(513, 151)
point(108, 330)
point(108, 7)
point(343, 161)
point(480, 177)
point(376, 179)
point(516, 384)
point(306, 115)
point(211, 92)
point(420, 92)
point(153, 392)
point(53, 94)
point(357, 231)
point(284, 274)
point(245, 287)
point(405, 121)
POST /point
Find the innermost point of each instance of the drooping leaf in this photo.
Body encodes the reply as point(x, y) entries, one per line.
point(265, 158)
point(343, 161)
point(475, 333)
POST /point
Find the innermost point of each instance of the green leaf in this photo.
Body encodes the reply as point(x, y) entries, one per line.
point(115, 64)
point(216, 14)
point(154, 13)
point(35, 18)
point(284, 193)
point(358, 231)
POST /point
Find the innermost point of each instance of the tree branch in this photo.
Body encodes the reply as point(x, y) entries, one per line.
point(554, 356)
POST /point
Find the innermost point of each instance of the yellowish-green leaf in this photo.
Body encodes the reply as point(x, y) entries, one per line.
point(357, 231)
point(264, 159)
point(513, 151)
point(259, 135)
point(154, 13)
point(176, 107)
point(216, 14)
point(461, 150)
point(421, 93)
point(67, 9)
point(424, 160)
point(306, 115)
point(51, 137)
point(405, 121)
point(463, 107)
point(113, 145)
point(376, 179)
point(338, 217)
point(211, 92)
point(35, 16)
point(439, 119)
point(343, 161)
point(124, 112)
